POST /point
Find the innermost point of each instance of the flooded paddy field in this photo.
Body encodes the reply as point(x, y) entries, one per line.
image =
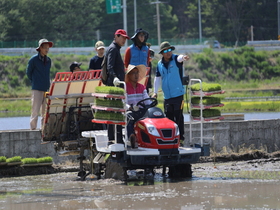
point(252, 184)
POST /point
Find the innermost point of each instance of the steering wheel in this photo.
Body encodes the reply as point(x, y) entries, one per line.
point(146, 106)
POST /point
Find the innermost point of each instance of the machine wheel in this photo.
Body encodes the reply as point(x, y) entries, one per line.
point(115, 170)
point(98, 170)
point(180, 171)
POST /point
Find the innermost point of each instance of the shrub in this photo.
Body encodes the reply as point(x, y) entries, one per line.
point(241, 50)
point(203, 61)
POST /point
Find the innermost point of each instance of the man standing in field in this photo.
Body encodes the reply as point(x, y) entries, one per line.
point(38, 72)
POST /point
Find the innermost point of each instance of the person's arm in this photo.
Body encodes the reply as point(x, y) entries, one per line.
point(182, 58)
point(127, 57)
point(157, 82)
point(111, 60)
point(91, 65)
point(29, 69)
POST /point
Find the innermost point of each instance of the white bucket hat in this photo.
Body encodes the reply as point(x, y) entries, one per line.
point(44, 41)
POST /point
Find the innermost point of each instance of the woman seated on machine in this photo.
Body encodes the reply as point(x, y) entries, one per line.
point(135, 93)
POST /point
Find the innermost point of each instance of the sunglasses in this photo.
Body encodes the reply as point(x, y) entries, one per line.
point(168, 50)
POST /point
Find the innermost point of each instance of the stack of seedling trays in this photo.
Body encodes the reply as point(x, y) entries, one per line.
point(208, 102)
point(108, 105)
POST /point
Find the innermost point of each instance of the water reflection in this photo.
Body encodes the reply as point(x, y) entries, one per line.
point(60, 191)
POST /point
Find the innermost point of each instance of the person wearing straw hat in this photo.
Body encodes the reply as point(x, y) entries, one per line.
point(96, 61)
point(38, 72)
point(135, 93)
point(170, 74)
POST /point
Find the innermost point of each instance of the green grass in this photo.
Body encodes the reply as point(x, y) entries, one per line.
point(250, 106)
point(14, 159)
point(15, 105)
point(250, 88)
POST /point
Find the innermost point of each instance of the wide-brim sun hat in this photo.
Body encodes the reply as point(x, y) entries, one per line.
point(142, 71)
point(165, 45)
point(43, 41)
point(122, 33)
point(140, 30)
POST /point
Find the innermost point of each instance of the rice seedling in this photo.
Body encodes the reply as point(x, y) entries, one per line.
point(14, 159)
point(109, 90)
point(109, 103)
point(29, 160)
point(105, 115)
point(206, 87)
point(206, 113)
point(206, 100)
point(3, 159)
point(45, 160)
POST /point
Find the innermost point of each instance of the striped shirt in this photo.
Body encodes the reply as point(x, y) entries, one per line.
point(134, 95)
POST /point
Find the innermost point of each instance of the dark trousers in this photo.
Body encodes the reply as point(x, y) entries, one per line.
point(174, 111)
point(130, 122)
point(111, 133)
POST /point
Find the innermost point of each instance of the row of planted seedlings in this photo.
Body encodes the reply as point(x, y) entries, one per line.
point(17, 160)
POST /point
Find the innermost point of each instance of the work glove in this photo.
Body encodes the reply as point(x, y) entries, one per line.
point(136, 108)
point(116, 81)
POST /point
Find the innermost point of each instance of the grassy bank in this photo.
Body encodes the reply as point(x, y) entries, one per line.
point(21, 107)
point(241, 73)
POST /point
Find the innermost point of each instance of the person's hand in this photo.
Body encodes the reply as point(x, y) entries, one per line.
point(186, 57)
point(136, 108)
point(154, 95)
point(116, 81)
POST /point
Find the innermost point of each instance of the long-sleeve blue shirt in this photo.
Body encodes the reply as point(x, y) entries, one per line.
point(38, 72)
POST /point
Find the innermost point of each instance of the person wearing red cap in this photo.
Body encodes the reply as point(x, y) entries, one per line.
point(38, 72)
point(115, 67)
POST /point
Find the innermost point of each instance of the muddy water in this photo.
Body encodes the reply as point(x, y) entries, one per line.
point(231, 186)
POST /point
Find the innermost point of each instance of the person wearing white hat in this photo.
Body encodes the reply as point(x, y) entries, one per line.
point(96, 61)
point(38, 72)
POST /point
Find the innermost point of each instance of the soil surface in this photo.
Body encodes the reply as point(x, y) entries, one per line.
point(255, 159)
